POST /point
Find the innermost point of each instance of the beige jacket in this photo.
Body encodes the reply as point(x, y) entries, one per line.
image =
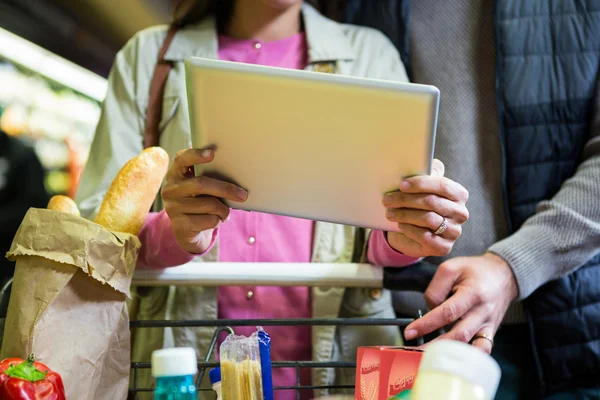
point(350, 50)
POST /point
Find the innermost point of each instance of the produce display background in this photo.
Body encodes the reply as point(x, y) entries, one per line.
point(56, 121)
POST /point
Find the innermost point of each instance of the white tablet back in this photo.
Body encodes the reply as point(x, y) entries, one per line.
point(311, 145)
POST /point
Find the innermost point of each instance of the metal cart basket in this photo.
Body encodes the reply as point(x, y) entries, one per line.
point(413, 278)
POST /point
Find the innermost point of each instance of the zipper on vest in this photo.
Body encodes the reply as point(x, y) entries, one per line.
point(500, 108)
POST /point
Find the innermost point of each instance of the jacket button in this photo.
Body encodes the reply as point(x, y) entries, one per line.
point(250, 295)
point(376, 294)
point(251, 240)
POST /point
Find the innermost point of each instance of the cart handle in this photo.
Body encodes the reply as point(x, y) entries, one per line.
point(198, 273)
point(195, 273)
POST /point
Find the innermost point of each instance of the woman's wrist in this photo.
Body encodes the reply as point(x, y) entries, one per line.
point(202, 244)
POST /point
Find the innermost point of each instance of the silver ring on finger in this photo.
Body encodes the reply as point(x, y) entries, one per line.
point(442, 228)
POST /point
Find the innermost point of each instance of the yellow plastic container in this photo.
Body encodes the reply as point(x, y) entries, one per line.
point(452, 370)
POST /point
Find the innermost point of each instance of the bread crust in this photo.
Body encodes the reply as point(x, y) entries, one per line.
point(133, 191)
point(64, 204)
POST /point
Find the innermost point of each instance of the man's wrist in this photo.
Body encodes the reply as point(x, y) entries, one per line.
point(531, 256)
point(513, 286)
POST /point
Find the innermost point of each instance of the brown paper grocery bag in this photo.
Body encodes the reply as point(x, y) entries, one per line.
point(67, 304)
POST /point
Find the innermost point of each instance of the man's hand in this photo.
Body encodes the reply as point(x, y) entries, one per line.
point(424, 205)
point(474, 293)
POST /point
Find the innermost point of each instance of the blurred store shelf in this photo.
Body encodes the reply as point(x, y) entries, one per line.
point(52, 104)
point(35, 58)
point(56, 119)
point(55, 56)
point(59, 31)
point(124, 17)
point(86, 32)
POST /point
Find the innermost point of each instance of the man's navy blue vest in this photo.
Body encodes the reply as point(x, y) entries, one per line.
point(548, 58)
point(551, 50)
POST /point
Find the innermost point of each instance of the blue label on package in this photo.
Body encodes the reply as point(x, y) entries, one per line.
point(264, 347)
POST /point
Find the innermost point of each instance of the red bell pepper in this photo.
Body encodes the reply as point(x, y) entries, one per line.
point(29, 380)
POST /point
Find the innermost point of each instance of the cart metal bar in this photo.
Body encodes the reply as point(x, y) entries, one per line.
point(274, 364)
point(203, 365)
point(211, 348)
point(298, 389)
point(297, 382)
point(272, 322)
point(412, 278)
point(263, 274)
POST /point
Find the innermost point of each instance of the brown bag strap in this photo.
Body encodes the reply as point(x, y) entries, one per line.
point(157, 92)
point(152, 135)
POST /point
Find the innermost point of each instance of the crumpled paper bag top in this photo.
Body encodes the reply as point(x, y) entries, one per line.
point(108, 257)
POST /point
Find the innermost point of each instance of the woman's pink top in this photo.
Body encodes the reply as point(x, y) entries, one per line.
point(257, 237)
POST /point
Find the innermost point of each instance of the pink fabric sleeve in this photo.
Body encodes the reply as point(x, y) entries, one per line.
point(159, 245)
point(381, 254)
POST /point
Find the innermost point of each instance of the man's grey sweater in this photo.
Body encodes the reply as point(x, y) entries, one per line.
point(453, 48)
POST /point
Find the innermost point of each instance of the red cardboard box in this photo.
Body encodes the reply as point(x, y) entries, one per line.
point(368, 360)
point(398, 369)
point(382, 372)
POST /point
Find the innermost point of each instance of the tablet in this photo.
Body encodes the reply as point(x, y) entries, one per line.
point(311, 145)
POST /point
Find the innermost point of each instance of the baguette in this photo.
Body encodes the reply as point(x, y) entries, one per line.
point(64, 204)
point(133, 191)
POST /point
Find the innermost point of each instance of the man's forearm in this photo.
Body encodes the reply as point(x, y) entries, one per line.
point(563, 234)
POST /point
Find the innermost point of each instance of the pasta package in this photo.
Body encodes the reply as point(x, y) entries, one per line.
point(241, 367)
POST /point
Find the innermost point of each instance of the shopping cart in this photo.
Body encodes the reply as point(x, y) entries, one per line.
point(414, 278)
